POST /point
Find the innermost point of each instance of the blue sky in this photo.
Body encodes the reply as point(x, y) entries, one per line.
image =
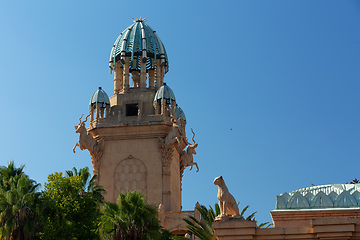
point(271, 88)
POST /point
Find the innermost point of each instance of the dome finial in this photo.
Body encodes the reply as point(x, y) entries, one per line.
point(139, 20)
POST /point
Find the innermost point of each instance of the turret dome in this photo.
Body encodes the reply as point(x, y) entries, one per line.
point(139, 41)
point(164, 92)
point(179, 113)
point(101, 97)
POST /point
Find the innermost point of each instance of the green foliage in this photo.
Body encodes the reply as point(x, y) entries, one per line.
point(203, 229)
point(130, 218)
point(19, 204)
point(251, 217)
point(72, 206)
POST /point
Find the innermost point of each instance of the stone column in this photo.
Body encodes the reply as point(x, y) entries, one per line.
point(143, 73)
point(163, 101)
point(151, 79)
point(102, 112)
point(166, 187)
point(118, 78)
point(162, 74)
point(107, 111)
point(91, 113)
point(97, 116)
point(135, 79)
point(172, 108)
point(157, 74)
point(126, 75)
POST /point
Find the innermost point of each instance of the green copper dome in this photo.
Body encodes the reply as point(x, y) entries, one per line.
point(138, 40)
point(101, 97)
point(321, 196)
point(164, 93)
point(179, 113)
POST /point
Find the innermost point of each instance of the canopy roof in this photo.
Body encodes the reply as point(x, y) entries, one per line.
point(101, 97)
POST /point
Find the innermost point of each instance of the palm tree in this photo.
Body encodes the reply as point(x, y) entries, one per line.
point(89, 184)
point(130, 218)
point(19, 202)
point(8, 173)
point(203, 229)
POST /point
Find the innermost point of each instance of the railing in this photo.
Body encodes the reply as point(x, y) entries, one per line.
point(130, 120)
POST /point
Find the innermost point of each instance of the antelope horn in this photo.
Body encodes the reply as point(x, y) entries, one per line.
point(81, 118)
point(86, 117)
point(193, 136)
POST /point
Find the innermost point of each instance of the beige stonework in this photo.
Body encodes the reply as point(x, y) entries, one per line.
point(335, 224)
point(143, 144)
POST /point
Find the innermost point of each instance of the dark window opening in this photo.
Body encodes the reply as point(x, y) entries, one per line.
point(132, 109)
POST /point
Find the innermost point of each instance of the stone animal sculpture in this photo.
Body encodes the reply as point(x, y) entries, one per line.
point(187, 159)
point(175, 135)
point(227, 203)
point(86, 141)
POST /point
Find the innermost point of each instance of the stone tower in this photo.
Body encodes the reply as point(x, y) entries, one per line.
point(138, 134)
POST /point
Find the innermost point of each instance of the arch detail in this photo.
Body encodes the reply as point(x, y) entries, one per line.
point(130, 175)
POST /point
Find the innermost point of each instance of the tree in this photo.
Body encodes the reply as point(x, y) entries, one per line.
point(9, 173)
point(72, 206)
point(130, 218)
point(88, 183)
point(19, 204)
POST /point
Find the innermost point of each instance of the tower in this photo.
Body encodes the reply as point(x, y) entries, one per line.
point(138, 134)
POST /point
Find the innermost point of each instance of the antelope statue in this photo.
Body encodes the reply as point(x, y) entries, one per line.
point(186, 158)
point(86, 141)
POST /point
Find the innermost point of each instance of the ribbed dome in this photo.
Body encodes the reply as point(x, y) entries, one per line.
point(135, 41)
point(321, 196)
point(179, 113)
point(166, 93)
point(101, 97)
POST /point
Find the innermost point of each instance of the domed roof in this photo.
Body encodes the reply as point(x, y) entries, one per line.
point(101, 97)
point(179, 113)
point(164, 92)
point(139, 40)
point(321, 196)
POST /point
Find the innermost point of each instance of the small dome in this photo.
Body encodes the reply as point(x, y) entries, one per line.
point(166, 93)
point(179, 113)
point(139, 40)
point(101, 97)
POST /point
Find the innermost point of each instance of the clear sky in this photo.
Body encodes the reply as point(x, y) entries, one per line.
point(271, 88)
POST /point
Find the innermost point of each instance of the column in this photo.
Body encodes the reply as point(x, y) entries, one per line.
point(157, 74)
point(166, 188)
point(126, 75)
point(143, 73)
point(151, 79)
point(118, 78)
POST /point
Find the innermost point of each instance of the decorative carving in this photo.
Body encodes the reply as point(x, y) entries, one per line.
point(186, 158)
point(227, 203)
point(166, 152)
point(130, 175)
point(86, 141)
point(176, 134)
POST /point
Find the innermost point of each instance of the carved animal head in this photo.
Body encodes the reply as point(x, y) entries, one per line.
point(218, 180)
point(191, 149)
point(81, 126)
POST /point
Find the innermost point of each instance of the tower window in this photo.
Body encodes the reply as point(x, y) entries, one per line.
point(132, 109)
